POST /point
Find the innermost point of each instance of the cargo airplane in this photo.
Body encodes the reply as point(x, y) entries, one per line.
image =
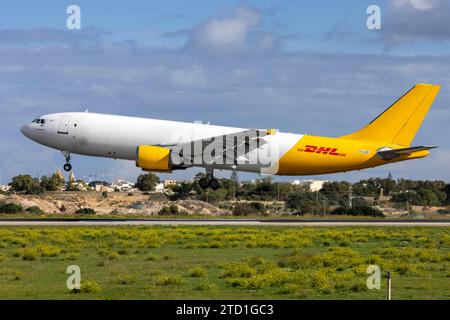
point(164, 146)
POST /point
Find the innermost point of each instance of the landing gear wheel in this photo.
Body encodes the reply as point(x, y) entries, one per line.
point(203, 182)
point(214, 184)
point(67, 166)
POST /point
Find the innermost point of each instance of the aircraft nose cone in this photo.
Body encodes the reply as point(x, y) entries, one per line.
point(25, 131)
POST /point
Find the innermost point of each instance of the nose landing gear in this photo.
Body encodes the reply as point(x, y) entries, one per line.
point(67, 166)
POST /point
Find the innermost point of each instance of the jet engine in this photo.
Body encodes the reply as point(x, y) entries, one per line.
point(152, 158)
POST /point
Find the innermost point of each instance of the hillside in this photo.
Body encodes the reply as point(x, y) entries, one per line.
point(137, 203)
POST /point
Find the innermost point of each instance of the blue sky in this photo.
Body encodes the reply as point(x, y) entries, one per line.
point(294, 65)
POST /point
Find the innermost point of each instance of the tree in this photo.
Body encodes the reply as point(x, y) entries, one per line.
point(263, 189)
point(368, 188)
point(429, 197)
point(231, 188)
point(25, 183)
point(10, 207)
point(284, 189)
point(421, 197)
point(409, 196)
point(446, 191)
point(388, 185)
point(52, 183)
point(181, 191)
point(306, 202)
point(336, 191)
point(147, 182)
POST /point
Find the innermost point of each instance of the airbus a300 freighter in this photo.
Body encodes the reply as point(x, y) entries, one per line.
point(164, 146)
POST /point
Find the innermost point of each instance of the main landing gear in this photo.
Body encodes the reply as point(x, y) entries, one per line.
point(209, 181)
point(67, 166)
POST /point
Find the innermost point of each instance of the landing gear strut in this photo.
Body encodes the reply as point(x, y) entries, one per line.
point(67, 166)
point(209, 181)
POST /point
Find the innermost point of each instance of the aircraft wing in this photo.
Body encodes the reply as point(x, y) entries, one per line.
point(229, 146)
point(389, 153)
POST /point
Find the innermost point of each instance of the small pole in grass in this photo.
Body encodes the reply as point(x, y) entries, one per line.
point(388, 276)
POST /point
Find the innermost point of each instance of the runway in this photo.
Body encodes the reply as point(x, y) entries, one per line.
point(228, 222)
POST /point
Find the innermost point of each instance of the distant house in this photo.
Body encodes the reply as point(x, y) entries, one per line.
point(312, 185)
point(5, 188)
point(159, 187)
point(79, 185)
point(168, 183)
point(76, 184)
point(96, 183)
point(101, 186)
point(123, 186)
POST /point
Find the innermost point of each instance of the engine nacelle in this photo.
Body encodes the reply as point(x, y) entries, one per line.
point(151, 158)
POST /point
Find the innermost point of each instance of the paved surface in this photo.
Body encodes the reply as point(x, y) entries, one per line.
point(225, 222)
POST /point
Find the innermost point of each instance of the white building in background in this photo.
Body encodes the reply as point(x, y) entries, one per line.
point(168, 183)
point(312, 185)
point(123, 186)
point(101, 188)
point(160, 187)
point(5, 188)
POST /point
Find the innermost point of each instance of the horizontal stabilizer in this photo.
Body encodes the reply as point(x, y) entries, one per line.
point(389, 153)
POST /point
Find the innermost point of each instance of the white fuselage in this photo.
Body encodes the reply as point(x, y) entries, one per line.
point(117, 137)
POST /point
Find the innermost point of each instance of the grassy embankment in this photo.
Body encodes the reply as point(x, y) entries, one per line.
point(223, 262)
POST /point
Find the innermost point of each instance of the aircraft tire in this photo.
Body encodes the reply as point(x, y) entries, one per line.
point(214, 184)
point(203, 183)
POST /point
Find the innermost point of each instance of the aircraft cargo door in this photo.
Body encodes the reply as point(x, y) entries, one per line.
point(64, 125)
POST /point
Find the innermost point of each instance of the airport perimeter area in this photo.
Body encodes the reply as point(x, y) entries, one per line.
point(223, 262)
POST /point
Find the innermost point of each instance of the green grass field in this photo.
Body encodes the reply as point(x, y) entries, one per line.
point(223, 262)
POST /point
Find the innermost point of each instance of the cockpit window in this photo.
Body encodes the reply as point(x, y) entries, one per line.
point(41, 121)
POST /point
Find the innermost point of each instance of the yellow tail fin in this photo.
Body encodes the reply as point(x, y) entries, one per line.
point(399, 123)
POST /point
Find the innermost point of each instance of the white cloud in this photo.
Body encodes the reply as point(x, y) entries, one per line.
point(417, 20)
point(422, 5)
point(236, 33)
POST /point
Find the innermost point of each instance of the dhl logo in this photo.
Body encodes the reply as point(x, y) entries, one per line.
point(322, 150)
